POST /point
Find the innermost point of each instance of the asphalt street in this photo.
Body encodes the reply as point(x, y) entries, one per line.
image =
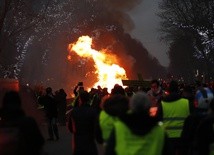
point(60, 147)
point(63, 145)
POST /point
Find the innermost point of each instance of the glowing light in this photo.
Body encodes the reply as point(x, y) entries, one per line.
point(108, 71)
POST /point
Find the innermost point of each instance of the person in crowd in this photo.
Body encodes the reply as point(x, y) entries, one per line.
point(204, 137)
point(188, 93)
point(203, 95)
point(129, 91)
point(62, 105)
point(173, 111)
point(112, 106)
point(155, 95)
point(19, 134)
point(136, 132)
point(192, 121)
point(81, 123)
point(118, 90)
point(50, 108)
point(77, 90)
point(79, 87)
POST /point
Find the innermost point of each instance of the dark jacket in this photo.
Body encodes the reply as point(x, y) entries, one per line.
point(189, 131)
point(205, 135)
point(82, 121)
point(20, 135)
point(50, 106)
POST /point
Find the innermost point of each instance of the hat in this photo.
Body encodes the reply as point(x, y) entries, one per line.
point(140, 103)
point(12, 100)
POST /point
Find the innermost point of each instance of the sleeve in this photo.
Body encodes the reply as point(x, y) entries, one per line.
point(98, 131)
point(160, 112)
point(70, 123)
point(110, 147)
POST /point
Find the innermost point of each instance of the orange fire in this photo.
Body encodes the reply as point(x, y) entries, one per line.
point(107, 70)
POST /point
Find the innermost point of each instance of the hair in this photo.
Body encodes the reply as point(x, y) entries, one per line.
point(118, 90)
point(48, 90)
point(140, 103)
point(11, 100)
point(173, 86)
point(155, 81)
point(62, 90)
point(116, 105)
point(84, 97)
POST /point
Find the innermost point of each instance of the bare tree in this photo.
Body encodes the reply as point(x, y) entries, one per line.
point(193, 18)
point(16, 18)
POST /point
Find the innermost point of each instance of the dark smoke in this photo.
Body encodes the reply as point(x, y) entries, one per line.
point(107, 21)
point(110, 28)
point(117, 10)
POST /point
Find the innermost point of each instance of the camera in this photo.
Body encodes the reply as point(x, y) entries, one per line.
point(80, 83)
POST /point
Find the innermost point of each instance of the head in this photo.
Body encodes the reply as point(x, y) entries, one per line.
point(118, 90)
point(11, 100)
point(155, 86)
point(140, 103)
point(84, 97)
point(61, 90)
point(187, 91)
point(48, 90)
point(116, 105)
point(173, 87)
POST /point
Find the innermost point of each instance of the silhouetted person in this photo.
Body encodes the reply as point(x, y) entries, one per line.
point(173, 111)
point(81, 124)
point(50, 108)
point(77, 89)
point(155, 94)
point(19, 134)
point(136, 132)
point(112, 106)
point(204, 137)
point(61, 104)
point(191, 124)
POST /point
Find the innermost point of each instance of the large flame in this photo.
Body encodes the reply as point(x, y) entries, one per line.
point(107, 70)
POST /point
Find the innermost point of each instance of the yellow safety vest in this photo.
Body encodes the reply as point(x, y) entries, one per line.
point(128, 143)
point(174, 114)
point(106, 124)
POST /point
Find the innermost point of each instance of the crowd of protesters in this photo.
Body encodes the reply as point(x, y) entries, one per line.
point(172, 119)
point(164, 119)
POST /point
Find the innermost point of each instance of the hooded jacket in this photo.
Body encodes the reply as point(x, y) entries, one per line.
point(140, 126)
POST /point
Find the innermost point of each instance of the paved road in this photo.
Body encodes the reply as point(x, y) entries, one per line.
point(63, 146)
point(60, 147)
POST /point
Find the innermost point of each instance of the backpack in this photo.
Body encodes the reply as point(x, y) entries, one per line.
point(203, 98)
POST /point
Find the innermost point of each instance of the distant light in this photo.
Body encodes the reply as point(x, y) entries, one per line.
point(27, 84)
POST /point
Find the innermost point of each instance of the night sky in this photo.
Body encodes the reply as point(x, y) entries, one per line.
point(146, 29)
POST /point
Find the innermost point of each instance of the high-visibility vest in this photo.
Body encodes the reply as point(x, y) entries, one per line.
point(174, 115)
point(106, 124)
point(128, 143)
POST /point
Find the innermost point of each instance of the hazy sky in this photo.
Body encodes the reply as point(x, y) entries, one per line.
point(146, 24)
